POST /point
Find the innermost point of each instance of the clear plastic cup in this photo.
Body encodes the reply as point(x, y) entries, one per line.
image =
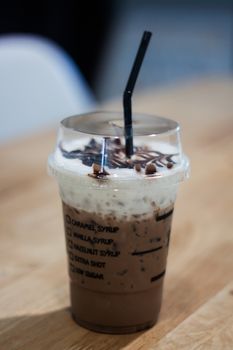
point(117, 215)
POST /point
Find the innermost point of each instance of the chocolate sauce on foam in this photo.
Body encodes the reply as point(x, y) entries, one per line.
point(115, 155)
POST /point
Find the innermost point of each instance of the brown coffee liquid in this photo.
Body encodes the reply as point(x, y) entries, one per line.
point(116, 268)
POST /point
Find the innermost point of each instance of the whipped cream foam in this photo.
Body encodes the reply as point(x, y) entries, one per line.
point(124, 191)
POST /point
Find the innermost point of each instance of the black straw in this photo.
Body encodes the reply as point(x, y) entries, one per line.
point(129, 91)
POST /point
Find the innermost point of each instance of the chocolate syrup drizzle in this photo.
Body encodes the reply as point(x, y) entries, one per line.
point(115, 155)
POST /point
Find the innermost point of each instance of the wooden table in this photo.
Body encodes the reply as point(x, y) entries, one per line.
point(197, 311)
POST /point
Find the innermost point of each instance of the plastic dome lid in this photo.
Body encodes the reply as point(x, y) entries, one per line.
point(93, 144)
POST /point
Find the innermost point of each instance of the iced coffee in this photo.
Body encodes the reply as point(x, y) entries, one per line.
point(117, 216)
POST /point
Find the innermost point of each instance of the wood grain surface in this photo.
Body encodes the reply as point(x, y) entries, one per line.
point(198, 295)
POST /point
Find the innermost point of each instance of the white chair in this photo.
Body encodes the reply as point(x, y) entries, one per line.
point(39, 85)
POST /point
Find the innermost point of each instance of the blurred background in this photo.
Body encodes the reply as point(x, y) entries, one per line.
point(63, 57)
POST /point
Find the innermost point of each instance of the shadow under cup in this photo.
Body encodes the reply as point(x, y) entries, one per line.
point(117, 216)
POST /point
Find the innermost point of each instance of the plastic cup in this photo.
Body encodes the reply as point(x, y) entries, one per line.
point(117, 215)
